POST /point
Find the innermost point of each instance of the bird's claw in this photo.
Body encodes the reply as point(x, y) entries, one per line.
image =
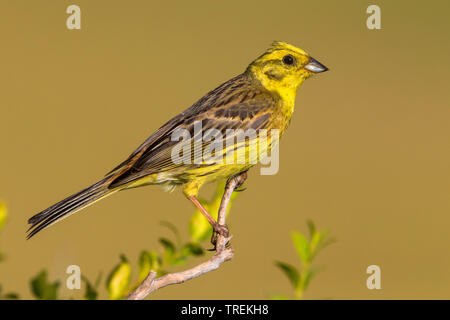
point(218, 229)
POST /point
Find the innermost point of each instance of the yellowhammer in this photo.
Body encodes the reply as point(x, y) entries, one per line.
point(261, 98)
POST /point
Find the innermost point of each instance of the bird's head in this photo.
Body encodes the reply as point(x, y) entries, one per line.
point(283, 68)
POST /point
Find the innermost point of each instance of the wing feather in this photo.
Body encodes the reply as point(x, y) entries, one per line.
point(234, 105)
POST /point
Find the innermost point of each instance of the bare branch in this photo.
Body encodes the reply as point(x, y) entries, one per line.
point(223, 253)
point(147, 283)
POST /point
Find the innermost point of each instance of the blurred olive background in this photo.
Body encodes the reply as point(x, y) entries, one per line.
point(367, 153)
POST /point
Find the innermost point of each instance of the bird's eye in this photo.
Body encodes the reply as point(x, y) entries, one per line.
point(288, 60)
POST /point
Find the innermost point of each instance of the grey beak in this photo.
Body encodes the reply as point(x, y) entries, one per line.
point(315, 66)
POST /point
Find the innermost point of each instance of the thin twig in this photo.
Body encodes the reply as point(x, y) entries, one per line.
point(232, 184)
point(223, 253)
point(148, 281)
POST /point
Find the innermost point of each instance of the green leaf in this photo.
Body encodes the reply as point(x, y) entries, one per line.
point(311, 228)
point(97, 281)
point(42, 289)
point(161, 273)
point(148, 261)
point(278, 296)
point(119, 279)
point(179, 261)
point(3, 214)
point(290, 272)
point(174, 230)
point(301, 246)
point(308, 276)
point(325, 243)
point(192, 249)
point(11, 296)
point(319, 241)
point(169, 249)
point(316, 239)
point(91, 292)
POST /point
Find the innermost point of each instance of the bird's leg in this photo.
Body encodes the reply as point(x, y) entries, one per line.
point(219, 226)
point(220, 229)
point(232, 184)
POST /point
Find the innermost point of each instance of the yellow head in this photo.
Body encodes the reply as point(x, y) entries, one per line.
point(283, 68)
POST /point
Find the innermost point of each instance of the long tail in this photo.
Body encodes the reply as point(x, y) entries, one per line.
point(69, 206)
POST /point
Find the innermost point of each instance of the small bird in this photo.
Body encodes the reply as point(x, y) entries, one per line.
point(262, 97)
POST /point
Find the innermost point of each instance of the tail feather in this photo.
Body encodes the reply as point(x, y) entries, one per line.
point(69, 206)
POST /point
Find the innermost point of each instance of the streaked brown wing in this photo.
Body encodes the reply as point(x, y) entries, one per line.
point(234, 105)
